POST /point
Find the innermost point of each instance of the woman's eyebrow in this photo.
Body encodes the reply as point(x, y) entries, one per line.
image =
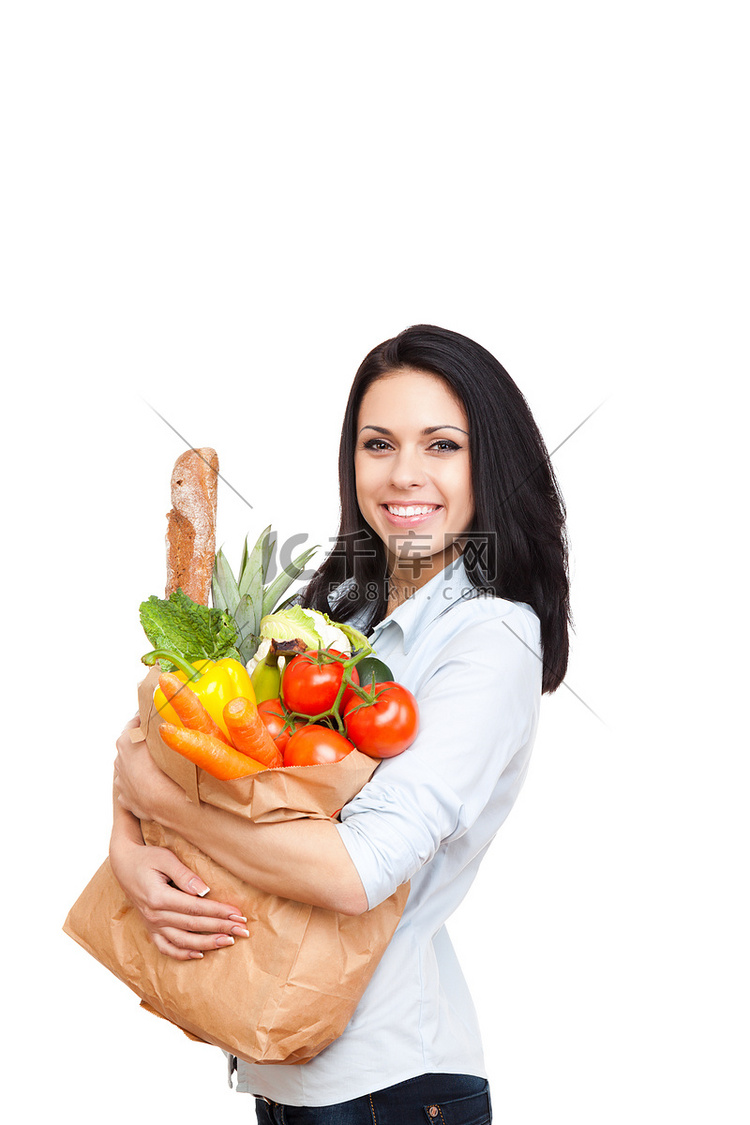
point(427, 430)
point(434, 429)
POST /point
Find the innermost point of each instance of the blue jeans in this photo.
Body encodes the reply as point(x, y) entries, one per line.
point(442, 1099)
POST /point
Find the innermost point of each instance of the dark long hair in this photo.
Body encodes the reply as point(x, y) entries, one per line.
point(516, 546)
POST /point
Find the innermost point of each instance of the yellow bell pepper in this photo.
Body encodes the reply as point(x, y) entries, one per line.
point(215, 682)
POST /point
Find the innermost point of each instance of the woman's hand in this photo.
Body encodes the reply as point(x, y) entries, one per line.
point(167, 894)
point(182, 924)
point(140, 786)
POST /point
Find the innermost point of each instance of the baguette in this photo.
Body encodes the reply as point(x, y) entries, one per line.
point(191, 525)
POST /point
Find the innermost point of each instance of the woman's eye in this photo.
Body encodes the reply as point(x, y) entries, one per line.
point(444, 445)
point(377, 444)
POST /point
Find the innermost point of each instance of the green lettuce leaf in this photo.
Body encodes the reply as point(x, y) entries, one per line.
point(190, 630)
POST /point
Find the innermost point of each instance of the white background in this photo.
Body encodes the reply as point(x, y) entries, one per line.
point(216, 210)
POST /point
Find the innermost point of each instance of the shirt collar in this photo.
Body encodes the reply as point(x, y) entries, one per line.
point(427, 603)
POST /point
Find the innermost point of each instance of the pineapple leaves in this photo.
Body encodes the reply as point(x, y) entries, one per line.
point(281, 584)
point(248, 598)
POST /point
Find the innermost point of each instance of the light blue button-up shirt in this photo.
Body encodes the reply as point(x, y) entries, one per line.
point(474, 664)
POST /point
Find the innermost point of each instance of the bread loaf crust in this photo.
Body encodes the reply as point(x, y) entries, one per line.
point(191, 524)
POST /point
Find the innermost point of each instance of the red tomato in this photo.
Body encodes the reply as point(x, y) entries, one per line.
point(271, 712)
point(313, 745)
point(386, 726)
point(310, 684)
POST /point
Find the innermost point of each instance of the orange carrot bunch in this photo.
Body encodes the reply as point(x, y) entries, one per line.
point(203, 742)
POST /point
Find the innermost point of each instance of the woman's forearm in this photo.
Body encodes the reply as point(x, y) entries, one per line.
point(126, 828)
point(303, 859)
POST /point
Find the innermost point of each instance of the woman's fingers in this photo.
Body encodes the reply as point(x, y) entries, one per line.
point(174, 951)
point(182, 877)
point(183, 933)
point(187, 942)
point(162, 897)
point(183, 938)
point(187, 895)
point(235, 925)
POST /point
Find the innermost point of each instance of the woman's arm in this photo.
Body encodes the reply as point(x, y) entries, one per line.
point(169, 896)
point(477, 680)
point(303, 859)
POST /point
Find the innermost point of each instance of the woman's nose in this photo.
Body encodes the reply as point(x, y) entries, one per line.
point(407, 470)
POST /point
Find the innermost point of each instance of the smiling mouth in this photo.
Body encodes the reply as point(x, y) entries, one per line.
point(407, 511)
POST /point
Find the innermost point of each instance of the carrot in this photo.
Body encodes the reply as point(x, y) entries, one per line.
point(188, 707)
point(209, 753)
point(249, 734)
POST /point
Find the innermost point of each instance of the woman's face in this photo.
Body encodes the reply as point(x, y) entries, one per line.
point(412, 468)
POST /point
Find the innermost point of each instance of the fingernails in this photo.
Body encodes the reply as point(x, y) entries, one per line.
point(198, 887)
point(240, 931)
point(195, 954)
point(224, 939)
point(237, 918)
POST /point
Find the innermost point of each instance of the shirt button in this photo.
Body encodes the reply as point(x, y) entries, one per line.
point(433, 1110)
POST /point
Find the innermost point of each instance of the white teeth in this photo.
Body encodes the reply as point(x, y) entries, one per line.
point(411, 510)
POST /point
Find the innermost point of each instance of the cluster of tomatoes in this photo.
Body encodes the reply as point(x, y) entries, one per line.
point(324, 712)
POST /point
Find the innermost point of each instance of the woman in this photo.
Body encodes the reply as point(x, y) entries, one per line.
point(452, 553)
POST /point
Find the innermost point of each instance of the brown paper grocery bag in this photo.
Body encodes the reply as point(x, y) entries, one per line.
point(287, 991)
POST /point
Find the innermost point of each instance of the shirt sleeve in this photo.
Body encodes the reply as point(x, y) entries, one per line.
point(478, 709)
